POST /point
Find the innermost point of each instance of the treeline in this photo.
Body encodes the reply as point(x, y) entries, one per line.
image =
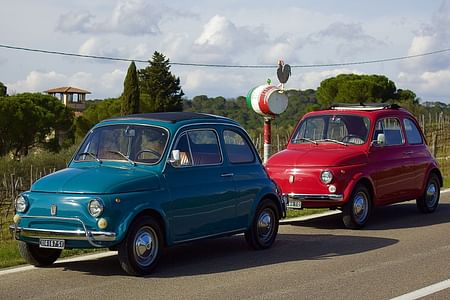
point(31, 121)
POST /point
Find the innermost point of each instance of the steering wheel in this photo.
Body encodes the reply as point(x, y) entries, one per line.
point(156, 153)
point(356, 139)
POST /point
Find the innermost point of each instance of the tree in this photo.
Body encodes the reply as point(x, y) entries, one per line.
point(352, 88)
point(3, 90)
point(159, 87)
point(32, 119)
point(130, 96)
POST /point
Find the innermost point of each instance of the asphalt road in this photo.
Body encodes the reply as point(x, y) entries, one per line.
point(400, 251)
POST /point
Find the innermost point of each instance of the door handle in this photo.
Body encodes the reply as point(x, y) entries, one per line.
point(227, 175)
point(408, 152)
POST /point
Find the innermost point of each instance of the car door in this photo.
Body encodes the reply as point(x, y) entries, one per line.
point(201, 188)
point(387, 161)
point(418, 157)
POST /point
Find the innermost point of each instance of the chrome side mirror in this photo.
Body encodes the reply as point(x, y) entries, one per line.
point(380, 141)
point(174, 159)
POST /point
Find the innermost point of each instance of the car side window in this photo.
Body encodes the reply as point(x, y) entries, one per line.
point(412, 132)
point(391, 131)
point(199, 147)
point(237, 148)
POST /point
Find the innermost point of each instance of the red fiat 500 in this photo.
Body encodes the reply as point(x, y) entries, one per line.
point(356, 157)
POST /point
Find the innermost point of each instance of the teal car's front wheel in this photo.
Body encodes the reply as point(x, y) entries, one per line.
point(39, 257)
point(264, 228)
point(140, 250)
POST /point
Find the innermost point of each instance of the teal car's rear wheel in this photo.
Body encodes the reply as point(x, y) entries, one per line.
point(264, 228)
point(140, 251)
point(39, 257)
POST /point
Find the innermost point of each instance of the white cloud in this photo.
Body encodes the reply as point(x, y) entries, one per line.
point(37, 81)
point(431, 37)
point(433, 84)
point(347, 38)
point(128, 17)
point(104, 47)
point(109, 84)
point(81, 21)
point(222, 38)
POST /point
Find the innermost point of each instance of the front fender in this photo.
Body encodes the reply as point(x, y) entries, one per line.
point(356, 179)
point(133, 205)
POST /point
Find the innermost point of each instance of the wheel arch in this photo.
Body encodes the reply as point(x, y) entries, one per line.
point(438, 173)
point(149, 212)
point(368, 184)
point(261, 197)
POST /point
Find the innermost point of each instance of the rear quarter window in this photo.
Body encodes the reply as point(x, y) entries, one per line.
point(412, 132)
point(237, 148)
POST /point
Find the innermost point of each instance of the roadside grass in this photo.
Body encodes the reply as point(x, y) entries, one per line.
point(293, 213)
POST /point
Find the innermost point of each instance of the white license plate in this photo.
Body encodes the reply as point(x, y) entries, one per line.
point(295, 204)
point(52, 243)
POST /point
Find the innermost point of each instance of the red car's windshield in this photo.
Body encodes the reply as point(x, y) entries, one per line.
point(348, 129)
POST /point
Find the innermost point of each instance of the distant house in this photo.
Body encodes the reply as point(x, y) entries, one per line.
point(71, 96)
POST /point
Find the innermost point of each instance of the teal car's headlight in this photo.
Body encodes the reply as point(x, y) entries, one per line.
point(96, 207)
point(21, 204)
point(326, 177)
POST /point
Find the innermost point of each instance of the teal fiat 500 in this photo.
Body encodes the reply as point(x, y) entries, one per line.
point(141, 182)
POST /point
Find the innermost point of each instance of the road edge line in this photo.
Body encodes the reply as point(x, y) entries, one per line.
point(428, 290)
point(64, 260)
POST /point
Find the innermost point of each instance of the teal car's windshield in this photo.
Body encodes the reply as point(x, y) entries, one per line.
point(131, 143)
point(340, 129)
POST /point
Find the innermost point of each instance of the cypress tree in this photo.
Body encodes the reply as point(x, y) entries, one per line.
point(130, 96)
point(160, 86)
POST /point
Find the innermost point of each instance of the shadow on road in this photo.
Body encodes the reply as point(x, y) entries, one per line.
point(232, 253)
point(402, 215)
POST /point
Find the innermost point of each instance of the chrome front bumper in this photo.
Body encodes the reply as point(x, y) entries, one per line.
point(93, 237)
point(312, 197)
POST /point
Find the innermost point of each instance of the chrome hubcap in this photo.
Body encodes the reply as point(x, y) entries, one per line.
point(431, 196)
point(145, 246)
point(265, 225)
point(360, 205)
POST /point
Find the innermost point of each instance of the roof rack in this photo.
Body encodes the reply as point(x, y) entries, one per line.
point(364, 106)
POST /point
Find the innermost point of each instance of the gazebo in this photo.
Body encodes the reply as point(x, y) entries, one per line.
point(70, 96)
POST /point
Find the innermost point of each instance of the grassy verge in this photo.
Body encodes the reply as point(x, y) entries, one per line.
point(293, 213)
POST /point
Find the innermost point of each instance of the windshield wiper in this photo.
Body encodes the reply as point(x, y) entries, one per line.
point(91, 155)
point(304, 139)
point(333, 141)
point(123, 155)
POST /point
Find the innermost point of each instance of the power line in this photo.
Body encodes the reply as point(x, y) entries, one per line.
point(229, 65)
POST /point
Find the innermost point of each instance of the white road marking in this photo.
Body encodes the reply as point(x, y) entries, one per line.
point(431, 289)
point(72, 259)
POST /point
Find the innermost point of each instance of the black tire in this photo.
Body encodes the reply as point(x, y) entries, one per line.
point(139, 252)
point(264, 228)
point(357, 211)
point(39, 257)
point(428, 202)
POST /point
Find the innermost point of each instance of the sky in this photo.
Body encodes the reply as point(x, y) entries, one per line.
point(301, 32)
